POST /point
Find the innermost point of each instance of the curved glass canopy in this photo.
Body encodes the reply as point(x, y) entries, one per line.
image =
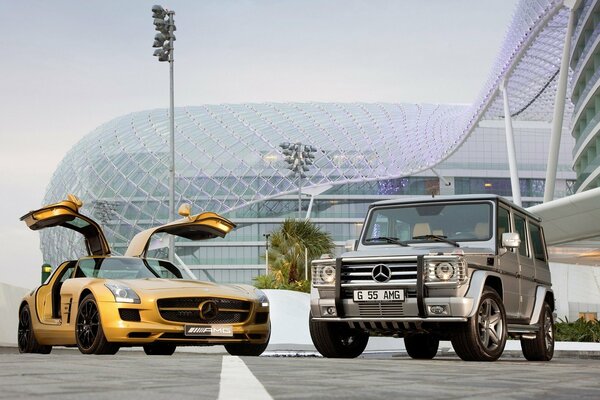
point(228, 155)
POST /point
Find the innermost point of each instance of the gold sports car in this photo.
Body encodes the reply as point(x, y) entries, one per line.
point(100, 302)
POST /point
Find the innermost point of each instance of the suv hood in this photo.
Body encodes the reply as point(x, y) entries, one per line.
point(398, 251)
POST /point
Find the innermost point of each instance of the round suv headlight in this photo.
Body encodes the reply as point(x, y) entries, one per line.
point(328, 274)
point(444, 271)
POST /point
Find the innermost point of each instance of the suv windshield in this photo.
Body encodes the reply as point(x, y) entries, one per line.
point(430, 223)
point(125, 268)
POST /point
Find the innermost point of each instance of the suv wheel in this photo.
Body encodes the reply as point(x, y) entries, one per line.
point(422, 346)
point(483, 337)
point(159, 349)
point(542, 347)
point(337, 340)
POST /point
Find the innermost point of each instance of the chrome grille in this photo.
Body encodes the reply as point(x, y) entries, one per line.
point(395, 309)
point(187, 310)
point(403, 271)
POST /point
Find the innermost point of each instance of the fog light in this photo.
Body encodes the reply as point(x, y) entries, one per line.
point(437, 309)
point(330, 311)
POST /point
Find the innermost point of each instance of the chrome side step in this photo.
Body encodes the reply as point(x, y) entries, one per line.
point(524, 331)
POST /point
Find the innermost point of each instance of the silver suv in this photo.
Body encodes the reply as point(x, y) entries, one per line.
point(469, 269)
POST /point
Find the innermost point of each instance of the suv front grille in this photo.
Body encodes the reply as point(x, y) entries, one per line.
point(356, 272)
point(187, 310)
point(395, 309)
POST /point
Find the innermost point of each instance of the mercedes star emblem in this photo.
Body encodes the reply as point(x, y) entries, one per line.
point(381, 273)
point(208, 310)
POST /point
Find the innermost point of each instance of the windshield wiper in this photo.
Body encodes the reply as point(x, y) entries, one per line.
point(437, 238)
point(387, 239)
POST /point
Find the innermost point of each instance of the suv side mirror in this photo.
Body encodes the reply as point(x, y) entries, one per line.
point(350, 245)
point(511, 240)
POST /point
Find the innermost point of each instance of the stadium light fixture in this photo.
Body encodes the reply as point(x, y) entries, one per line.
point(164, 23)
point(298, 158)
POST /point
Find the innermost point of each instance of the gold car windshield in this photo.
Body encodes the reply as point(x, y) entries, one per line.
point(126, 268)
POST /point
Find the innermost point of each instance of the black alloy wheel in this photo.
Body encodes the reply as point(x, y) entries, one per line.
point(25, 337)
point(88, 329)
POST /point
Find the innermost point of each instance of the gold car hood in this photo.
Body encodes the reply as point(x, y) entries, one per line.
point(187, 288)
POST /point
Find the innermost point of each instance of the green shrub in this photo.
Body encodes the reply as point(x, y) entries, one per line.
point(578, 331)
point(275, 280)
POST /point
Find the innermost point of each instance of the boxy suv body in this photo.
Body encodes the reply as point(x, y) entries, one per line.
point(470, 269)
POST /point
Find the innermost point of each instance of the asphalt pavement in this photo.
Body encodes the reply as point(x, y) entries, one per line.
point(212, 374)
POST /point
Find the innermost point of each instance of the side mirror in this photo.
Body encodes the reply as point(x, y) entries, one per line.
point(350, 245)
point(511, 240)
point(185, 210)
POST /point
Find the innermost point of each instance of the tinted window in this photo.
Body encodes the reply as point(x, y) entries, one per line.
point(520, 228)
point(461, 222)
point(503, 224)
point(536, 242)
point(68, 272)
point(115, 268)
point(164, 269)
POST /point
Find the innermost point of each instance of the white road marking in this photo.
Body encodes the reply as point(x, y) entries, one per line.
point(238, 382)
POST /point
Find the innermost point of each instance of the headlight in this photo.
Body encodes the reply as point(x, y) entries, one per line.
point(122, 293)
point(446, 271)
point(323, 272)
point(328, 274)
point(262, 298)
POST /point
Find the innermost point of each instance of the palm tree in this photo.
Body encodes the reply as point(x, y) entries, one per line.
point(289, 244)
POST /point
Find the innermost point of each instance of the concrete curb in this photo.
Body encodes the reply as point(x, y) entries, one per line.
point(564, 350)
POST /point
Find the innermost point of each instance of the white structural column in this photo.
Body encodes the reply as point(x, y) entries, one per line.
point(510, 148)
point(559, 105)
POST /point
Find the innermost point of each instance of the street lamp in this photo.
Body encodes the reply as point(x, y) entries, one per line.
point(266, 235)
point(298, 157)
point(163, 42)
point(46, 270)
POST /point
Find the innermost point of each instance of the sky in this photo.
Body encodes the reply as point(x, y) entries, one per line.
point(67, 67)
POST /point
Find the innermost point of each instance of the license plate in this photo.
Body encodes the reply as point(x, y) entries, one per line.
point(209, 330)
point(379, 295)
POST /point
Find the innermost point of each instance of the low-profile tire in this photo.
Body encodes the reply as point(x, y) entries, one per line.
point(159, 349)
point(246, 349)
point(422, 346)
point(337, 339)
point(88, 329)
point(25, 335)
point(483, 336)
point(542, 347)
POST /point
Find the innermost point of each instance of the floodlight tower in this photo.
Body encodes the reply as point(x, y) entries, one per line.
point(163, 42)
point(298, 157)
